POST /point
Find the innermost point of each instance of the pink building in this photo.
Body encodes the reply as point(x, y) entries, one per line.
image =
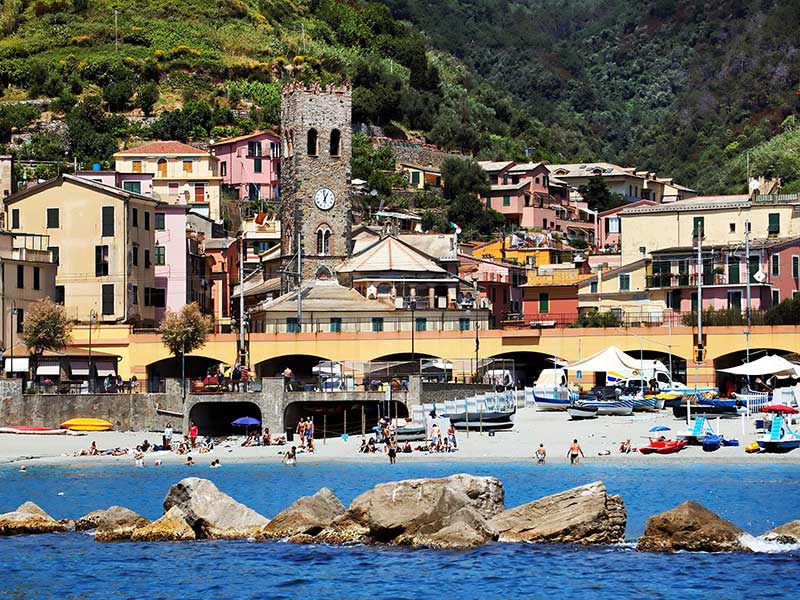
point(250, 164)
point(610, 226)
point(139, 183)
point(500, 282)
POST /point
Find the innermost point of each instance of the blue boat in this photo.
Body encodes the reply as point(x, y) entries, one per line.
point(780, 438)
point(711, 442)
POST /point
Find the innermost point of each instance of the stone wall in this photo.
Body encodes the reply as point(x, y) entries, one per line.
point(439, 392)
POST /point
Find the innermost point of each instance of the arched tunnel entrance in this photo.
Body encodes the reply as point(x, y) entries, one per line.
point(727, 382)
point(527, 365)
point(216, 418)
point(678, 363)
point(301, 365)
point(197, 367)
point(332, 419)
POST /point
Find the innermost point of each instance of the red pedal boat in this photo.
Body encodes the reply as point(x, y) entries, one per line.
point(663, 446)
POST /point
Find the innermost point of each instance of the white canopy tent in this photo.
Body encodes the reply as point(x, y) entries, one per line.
point(771, 364)
point(610, 359)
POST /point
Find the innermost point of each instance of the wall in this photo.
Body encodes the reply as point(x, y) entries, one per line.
point(172, 275)
point(239, 167)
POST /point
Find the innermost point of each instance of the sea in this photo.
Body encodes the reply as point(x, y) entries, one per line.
point(72, 565)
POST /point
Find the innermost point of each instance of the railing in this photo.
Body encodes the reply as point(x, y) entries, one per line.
point(558, 277)
point(426, 303)
point(444, 321)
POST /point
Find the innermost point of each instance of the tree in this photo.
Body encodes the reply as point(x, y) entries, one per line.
point(463, 176)
point(599, 197)
point(147, 98)
point(46, 327)
point(185, 331)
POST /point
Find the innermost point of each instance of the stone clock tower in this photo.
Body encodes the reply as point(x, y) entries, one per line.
point(315, 179)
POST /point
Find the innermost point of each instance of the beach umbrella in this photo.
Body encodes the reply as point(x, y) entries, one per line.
point(779, 408)
point(245, 421)
point(658, 428)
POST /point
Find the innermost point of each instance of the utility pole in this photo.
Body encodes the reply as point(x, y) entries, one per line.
point(747, 285)
point(699, 234)
point(116, 30)
point(242, 350)
point(299, 279)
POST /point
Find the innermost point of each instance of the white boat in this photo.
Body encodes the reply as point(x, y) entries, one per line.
point(780, 438)
point(616, 406)
point(577, 412)
point(552, 391)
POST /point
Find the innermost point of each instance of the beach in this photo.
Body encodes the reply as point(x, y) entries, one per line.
point(599, 438)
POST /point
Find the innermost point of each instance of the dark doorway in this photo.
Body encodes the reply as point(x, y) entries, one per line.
point(215, 418)
point(332, 419)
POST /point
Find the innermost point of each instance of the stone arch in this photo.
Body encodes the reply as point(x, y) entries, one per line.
point(312, 142)
point(332, 418)
point(335, 146)
point(739, 357)
point(301, 365)
point(215, 417)
point(679, 363)
point(323, 273)
point(527, 365)
point(197, 367)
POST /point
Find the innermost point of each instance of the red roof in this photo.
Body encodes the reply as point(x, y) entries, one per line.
point(247, 137)
point(155, 148)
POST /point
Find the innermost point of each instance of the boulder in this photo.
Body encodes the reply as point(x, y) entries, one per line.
point(394, 512)
point(690, 526)
point(308, 515)
point(29, 518)
point(788, 533)
point(581, 515)
point(113, 524)
point(211, 513)
point(171, 527)
point(463, 529)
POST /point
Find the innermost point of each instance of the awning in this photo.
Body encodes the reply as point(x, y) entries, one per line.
point(766, 365)
point(48, 369)
point(16, 365)
point(610, 359)
point(106, 368)
point(79, 368)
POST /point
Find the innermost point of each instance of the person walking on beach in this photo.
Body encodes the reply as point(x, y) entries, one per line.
point(573, 452)
point(540, 454)
point(193, 434)
point(167, 437)
point(301, 431)
point(138, 456)
point(392, 450)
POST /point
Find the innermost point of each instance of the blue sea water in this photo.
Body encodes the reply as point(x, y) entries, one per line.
point(73, 566)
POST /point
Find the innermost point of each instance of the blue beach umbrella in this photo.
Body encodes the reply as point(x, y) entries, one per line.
point(659, 428)
point(246, 421)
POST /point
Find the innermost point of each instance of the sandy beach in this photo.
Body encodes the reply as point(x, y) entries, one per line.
point(553, 429)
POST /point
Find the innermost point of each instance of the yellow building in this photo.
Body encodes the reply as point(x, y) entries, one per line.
point(623, 291)
point(102, 240)
point(537, 251)
point(721, 219)
point(182, 174)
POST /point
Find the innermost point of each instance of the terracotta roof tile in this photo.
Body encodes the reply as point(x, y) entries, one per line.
point(168, 147)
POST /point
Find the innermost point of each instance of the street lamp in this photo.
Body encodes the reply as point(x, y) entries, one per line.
point(92, 318)
point(412, 304)
point(477, 323)
point(13, 314)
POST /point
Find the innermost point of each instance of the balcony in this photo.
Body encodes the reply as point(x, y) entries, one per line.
point(559, 277)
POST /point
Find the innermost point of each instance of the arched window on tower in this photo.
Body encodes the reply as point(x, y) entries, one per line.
point(323, 240)
point(336, 143)
point(312, 142)
point(289, 141)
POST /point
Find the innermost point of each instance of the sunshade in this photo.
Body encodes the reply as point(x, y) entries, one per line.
point(771, 364)
point(779, 408)
point(658, 428)
point(244, 421)
point(610, 359)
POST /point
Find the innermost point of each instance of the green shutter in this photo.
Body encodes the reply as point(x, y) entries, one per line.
point(774, 223)
point(699, 227)
point(733, 269)
point(544, 302)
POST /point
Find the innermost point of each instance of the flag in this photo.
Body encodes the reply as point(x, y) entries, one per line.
point(456, 227)
point(260, 218)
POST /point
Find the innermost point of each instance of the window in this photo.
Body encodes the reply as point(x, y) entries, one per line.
point(36, 274)
point(674, 300)
point(699, 228)
point(336, 325)
point(147, 259)
point(544, 302)
point(377, 323)
point(732, 227)
point(536, 180)
point(253, 148)
point(160, 226)
point(735, 300)
point(625, 282)
point(135, 217)
point(52, 218)
point(506, 200)
point(20, 320)
point(100, 261)
point(488, 202)
point(55, 252)
point(415, 177)
point(733, 269)
point(774, 226)
point(108, 299)
point(160, 255)
point(336, 142)
point(135, 254)
point(754, 267)
point(275, 149)
point(311, 142)
point(463, 324)
point(323, 241)
point(199, 192)
point(292, 325)
point(14, 218)
point(796, 266)
point(161, 167)
point(421, 324)
point(593, 287)
point(174, 189)
point(132, 186)
point(134, 299)
point(20, 276)
point(775, 263)
point(776, 297)
point(136, 166)
point(59, 294)
point(108, 222)
point(156, 297)
point(223, 168)
point(612, 224)
point(146, 221)
point(257, 167)
point(187, 166)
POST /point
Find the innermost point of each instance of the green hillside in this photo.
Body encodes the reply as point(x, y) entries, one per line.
point(678, 86)
point(212, 56)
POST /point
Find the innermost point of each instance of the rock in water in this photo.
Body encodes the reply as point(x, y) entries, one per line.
point(29, 518)
point(113, 524)
point(171, 527)
point(789, 533)
point(465, 528)
point(308, 515)
point(394, 512)
point(690, 526)
point(211, 513)
point(581, 515)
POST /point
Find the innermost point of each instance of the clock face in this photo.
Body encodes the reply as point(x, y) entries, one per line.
point(324, 199)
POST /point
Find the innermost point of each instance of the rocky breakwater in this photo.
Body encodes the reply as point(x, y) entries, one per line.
point(581, 515)
point(307, 517)
point(789, 533)
point(692, 527)
point(29, 518)
point(113, 524)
